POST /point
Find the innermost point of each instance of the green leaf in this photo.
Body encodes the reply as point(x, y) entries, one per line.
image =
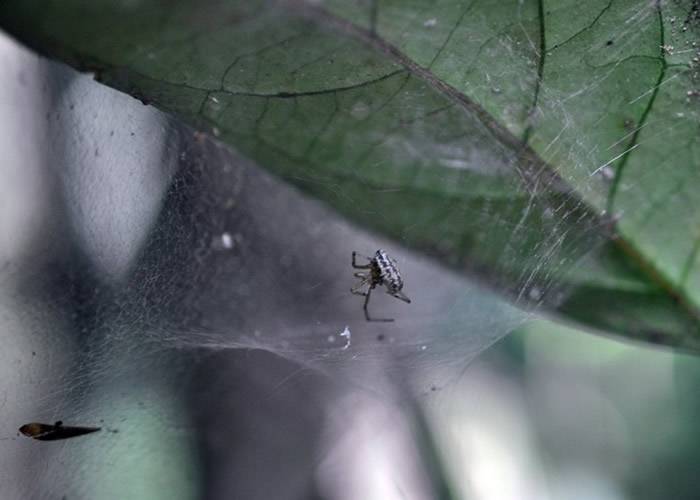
point(548, 147)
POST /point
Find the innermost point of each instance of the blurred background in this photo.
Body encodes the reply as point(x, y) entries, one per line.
point(553, 412)
point(156, 285)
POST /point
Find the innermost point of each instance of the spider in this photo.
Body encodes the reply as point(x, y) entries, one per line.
point(382, 271)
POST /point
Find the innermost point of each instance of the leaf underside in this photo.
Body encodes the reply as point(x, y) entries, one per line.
point(549, 147)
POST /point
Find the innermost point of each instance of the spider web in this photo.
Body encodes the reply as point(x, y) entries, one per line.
point(136, 249)
point(139, 249)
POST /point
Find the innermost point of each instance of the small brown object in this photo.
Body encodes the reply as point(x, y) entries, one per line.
point(48, 432)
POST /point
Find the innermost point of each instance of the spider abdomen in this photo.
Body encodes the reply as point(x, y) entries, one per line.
point(388, 271)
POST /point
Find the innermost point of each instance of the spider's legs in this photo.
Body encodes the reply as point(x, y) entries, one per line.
point(369, 290)
point(354, 264)
point(384, 320)
point(356, 288)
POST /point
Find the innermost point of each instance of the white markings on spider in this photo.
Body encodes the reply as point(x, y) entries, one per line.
point(381, 270)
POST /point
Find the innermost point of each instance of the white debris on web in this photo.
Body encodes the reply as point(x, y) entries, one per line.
point(347, 334)
point(607, 173)
point(535, 294)
point(430, 23)
point(227, 241)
